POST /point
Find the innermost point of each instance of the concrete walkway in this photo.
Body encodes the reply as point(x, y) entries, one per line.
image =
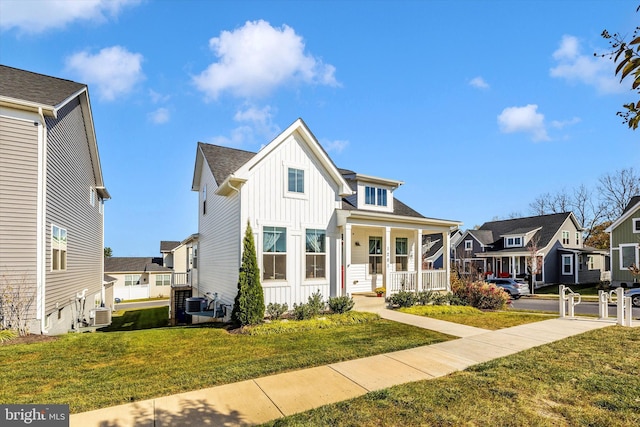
point(263, 399)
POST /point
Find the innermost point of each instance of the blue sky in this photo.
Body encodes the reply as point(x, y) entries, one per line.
point(478, 106)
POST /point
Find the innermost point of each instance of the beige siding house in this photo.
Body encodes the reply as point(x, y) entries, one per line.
point(625, 244)
point(138, 277)
point(316, 227)
point(51, 200)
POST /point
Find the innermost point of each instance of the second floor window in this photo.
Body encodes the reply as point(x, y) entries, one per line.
point(565, 237)
point(58, 248)
point(296, 180)
point(375, 196)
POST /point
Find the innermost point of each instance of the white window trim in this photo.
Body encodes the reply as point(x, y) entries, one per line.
point(634, 225)
point(570, 257)
point(517, 242)
point(285, 181)
point(325, 253)
point(61, 247)
point(92, 196)
point(468, 245)
point(623, 245)
point(565, 232)
point(268, 281)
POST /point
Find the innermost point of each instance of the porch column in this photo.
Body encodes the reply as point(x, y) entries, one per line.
point(346, 259)
point(387, 251)
point(418, 251)
point(513, 266)
point(576, 268)
point(446, 254)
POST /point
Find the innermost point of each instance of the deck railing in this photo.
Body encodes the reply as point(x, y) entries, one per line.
point(432, 280)
point(180, 279)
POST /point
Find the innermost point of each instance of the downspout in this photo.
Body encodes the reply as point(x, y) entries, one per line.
point(237, 190)
point(41, 223)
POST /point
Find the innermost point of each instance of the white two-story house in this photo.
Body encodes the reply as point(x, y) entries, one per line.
point(316, 227)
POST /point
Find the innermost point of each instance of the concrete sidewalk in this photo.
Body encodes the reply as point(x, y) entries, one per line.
point(263, 399)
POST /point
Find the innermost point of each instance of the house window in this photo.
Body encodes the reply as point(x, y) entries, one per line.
point(163, 280)
point(565, 237)
point(274, 253)
point(591, 262)
point(296, 180)
point(636, 225)
point(468, 245)
point(580, 262)
point(58, 248)
point(402, 244)
point(567, 265)
point(194, 260)
point(92, 196)
point(375, 255)
point(514, 242)
point(577, 238)
point(204, 199)
point(101, 205)
point(375, 196)
point(131, 279)
point(628, 256)
point(315, 254)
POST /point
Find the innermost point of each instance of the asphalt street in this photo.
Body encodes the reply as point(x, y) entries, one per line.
point(585, 307)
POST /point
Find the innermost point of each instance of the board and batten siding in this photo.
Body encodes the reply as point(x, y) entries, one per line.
point(19, 205)
point(219, 241)
point(267, 202)
point(69, 178)
point(621, 235)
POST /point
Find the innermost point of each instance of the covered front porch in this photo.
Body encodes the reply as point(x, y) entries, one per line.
point(513, 264)
point(385, 251)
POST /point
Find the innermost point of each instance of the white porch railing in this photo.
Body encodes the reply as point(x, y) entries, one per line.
point(432, 280)
point(180, 279)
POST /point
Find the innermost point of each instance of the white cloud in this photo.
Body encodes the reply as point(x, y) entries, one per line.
point(575, 67)
point(113, 71)
point(523, 119)
point(561, 124)
point(256, 123)
point(479, 82)
point(335, 146)
point(159, 116)
point(258, 58)
point(158, 97)
point(36, 16)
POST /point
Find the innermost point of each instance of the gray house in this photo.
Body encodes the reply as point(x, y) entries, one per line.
point(625, 244)
point(51, 203)
point(506, 249)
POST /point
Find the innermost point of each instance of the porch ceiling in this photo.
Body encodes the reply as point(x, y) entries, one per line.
point(380, 219)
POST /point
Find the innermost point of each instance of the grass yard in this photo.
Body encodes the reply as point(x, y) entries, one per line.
point(591, 379)
point(132, 320)
point(471, 316)
point(95, 370)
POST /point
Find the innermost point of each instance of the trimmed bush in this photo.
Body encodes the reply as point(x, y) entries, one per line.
point(403, 299)
point(316, 305)
point(275, 310)
point(482, 295)
point(426, 297)
point(248, 306)
point(341, 304)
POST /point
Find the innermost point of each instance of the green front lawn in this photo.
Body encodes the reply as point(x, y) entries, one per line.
point(133, 320)
point(591, 379)
point(471, 316)
point(95, 370)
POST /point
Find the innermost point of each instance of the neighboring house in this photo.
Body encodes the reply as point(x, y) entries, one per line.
point(625, 244)
point(316, 227)
point(51, 200)
point(166, 249)
point(138, 277)
point(506, 248)
point(432, 249)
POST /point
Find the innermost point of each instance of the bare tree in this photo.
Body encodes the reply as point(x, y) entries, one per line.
point(15, 303)
point(616, 190)
point(548, 203)
point(588, 210)
point(534, 263)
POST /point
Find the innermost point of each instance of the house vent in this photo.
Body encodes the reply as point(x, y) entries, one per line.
point(100, 316)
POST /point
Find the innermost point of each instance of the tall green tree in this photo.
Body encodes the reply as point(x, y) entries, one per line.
point(248, 307)
point(626, 55)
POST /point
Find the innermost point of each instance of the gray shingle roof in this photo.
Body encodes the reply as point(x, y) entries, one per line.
point(132, 264)
point(34, 87)
point(168, 245)
point(550, 225)
point(634, 200)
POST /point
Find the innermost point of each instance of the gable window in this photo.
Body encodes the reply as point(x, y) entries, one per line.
point(58, 248)
point(274, 253)
point(131, 279)
point(375, 255)
point(636, 225)
point(163, 280)
point(577, 238)
point(296, 180)
point(204, 199)
point(468, 245)
point(628, 256)
point(565, 237)
point(315, 254)
point(402, 245)
point(513, 242)
point(92, 196)
point(567, 265)
point(375, 196)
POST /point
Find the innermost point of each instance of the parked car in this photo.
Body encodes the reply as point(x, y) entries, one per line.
point(513, 287)
point(635, 296)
